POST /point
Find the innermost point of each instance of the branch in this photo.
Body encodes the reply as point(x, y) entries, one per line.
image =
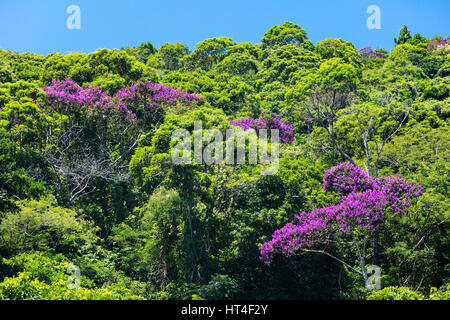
point(333, 257)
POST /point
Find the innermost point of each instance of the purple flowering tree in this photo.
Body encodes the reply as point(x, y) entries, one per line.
point(364, 200)
point(286, 131)
point(436, 43)
point(149, 101)
point(369, 53)
point(95, 132)
point(143, 98)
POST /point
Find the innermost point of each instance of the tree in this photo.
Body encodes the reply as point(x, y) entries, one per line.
point(143, 52)
point(419, 57)
point(162, 221)
point(43, 276)
point(172, 55)
point(281, 35)
point(287, 64)
point(245, 48)
point(25, 66)
point(418, 40)
point(99, 131)
point(5, 75)
point(376, 127)
point(224, 91)
point(403, 37)
point(55, 68)
point(40, 225)
point(338, 48)
point(364, 202)
point(237, 64)
point(208, 53)
point(329, 90)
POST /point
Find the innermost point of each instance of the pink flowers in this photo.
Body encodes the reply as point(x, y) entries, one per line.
point(368, 52)
point(154, 94)
point(286, 131)
point(439, 41)
point(68, 93)
point(364, 201)
point(346, 178)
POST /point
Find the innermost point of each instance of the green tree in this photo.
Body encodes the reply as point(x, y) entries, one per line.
point(338, 48)
point(40, 225)
point(280, 35)
point(403, 37)
point(172, 55)
point(208, 53)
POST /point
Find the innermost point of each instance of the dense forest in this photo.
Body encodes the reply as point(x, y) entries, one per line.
point(92, 207)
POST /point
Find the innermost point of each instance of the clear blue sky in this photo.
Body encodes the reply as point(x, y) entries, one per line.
point(39, 26)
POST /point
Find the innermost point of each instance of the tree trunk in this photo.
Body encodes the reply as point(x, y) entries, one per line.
point(376, 257)
point(362, 262)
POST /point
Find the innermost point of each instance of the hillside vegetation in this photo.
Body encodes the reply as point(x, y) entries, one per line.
point(92, 207)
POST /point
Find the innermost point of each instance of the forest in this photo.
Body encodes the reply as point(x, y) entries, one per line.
point(92, 207)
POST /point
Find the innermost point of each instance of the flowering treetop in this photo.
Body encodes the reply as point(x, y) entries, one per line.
point(69, 92)
point(439, 41)
point(150, 95)
point(286, 131)
point(368, 52)
point(364, 200)
point(155, 94)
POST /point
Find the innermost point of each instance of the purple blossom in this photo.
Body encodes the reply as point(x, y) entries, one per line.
point(63, 94)
point(286, 131)
point(439, 41)
point(364, 200)
point(368, 53)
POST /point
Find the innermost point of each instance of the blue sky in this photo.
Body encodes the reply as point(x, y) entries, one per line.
point(39, 26)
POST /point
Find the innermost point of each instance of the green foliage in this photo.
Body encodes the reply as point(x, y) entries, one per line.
point(238, 64)
point(394, 293)
point(223, 90)
point(24, 287)
point(402, 293)
point(281, 35)
point(419, 57)
point(26, 66)
point(245, 48)
point(172, 55)
point(38, 225)
point(43, 276)
point(110, 70)
point(288, 64)
point(208, 53)
point(14, 180)
point(337, 48)
point(5, 76)
point(436, 294)
point(143, 52)
point(404, 36)
point(394, 73)
point(333, 75)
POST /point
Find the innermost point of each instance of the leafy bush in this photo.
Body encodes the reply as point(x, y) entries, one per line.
point(395, 293)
